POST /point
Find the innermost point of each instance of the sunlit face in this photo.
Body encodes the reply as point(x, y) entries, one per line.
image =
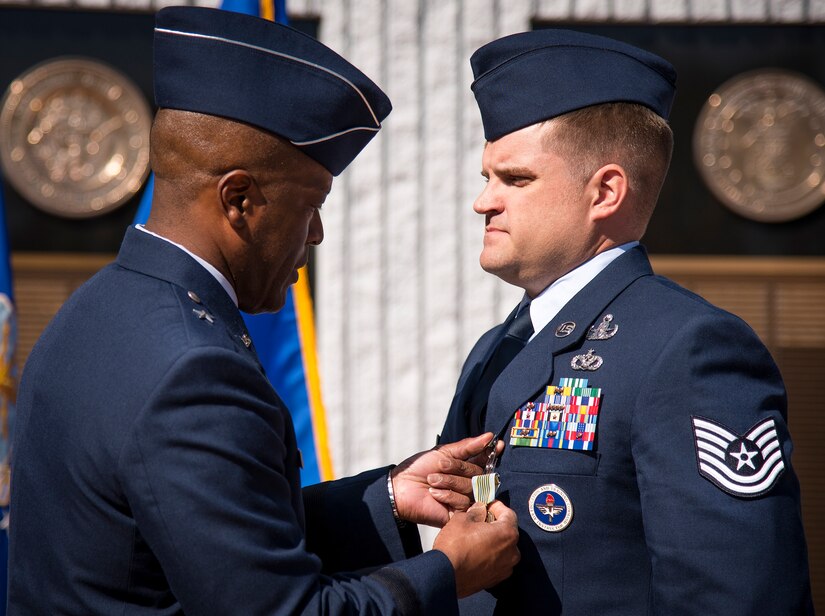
point(536, 213)
point(280, 234)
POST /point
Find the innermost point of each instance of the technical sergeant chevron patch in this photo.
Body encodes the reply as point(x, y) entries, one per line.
point(747, 465)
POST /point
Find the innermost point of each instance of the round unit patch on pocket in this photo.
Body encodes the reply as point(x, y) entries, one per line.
point(550, 508)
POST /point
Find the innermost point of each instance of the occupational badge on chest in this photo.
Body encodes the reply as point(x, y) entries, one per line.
point(550, 508)
point(565, 419)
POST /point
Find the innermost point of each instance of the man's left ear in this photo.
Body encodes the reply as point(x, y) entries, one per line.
point(239, 193)
point(609, 189)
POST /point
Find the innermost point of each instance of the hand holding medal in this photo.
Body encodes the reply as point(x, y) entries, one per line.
point(485, 486)
point(430, 486)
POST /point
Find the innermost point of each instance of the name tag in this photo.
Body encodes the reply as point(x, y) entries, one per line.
point(565, 419)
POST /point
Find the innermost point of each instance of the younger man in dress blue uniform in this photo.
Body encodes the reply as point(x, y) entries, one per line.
point(156, 470)
point(648, 456)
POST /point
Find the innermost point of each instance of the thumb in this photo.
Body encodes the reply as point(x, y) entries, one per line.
point(503, 513)
point(468, 447)
point(477, 512)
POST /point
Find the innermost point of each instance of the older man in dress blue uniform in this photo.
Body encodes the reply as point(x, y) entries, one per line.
point(648, 455)
point(156, 470)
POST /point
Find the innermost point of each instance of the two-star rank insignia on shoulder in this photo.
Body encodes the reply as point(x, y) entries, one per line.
point(566, 419)
point(747, 465)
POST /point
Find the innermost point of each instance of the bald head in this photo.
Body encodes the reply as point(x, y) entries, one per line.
point(191, 151)
point(239, 197)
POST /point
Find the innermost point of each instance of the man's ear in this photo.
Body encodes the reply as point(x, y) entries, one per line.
point(608, 188)
point(238, 192)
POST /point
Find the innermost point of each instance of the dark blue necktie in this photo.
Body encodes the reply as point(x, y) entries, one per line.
point(518, 332)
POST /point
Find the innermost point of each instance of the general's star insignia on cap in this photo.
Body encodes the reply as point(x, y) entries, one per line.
point(550, 508)
point(747, 465)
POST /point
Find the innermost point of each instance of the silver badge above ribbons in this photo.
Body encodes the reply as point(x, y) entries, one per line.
point(588, 361)
point(603, 330)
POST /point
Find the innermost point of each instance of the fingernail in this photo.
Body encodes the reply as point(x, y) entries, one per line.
point(435, 478)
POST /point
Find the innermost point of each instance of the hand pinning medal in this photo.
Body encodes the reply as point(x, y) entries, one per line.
point(486, 485)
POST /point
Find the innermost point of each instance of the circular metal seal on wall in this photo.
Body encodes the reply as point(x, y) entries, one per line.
point(759, 145)
point(74, 137)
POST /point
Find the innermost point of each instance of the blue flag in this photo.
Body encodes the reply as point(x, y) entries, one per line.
point(285, 341)
point(8, 388)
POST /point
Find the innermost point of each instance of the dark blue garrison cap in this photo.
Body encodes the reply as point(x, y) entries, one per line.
point(271, 76)
point(526, 78)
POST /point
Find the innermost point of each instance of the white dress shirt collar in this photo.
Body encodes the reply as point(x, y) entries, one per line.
point(547, 304)
point(208, 266)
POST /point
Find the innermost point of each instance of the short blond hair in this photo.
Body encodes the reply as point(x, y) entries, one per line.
point(626, 134)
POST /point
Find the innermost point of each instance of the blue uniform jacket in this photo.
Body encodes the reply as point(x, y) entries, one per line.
point(156, 470)
point(648, 533)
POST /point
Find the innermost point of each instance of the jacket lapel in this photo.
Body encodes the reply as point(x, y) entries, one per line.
point(457, 425)
point(480, 356)
point(532, 369)
point(146, 254)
